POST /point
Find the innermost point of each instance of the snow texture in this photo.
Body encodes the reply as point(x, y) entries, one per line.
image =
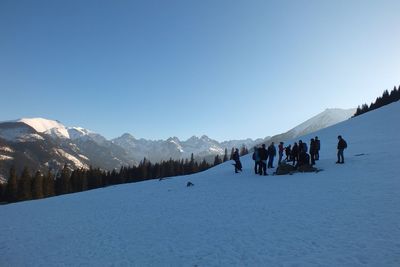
point(53, 128)
point(72, 158)
point(324, 119)
point(19, 134)
point(5, 157)
point(345, 215)
point(6, 149)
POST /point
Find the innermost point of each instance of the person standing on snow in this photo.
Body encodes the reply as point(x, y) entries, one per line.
point(263, 154)
point(295, 153)
point(256, 158)
point(318, 147)
point(313, 150)
point(288, 152)
point(236, 158)
point(281, 148)
point(271, 155)
point(302, 147)
point(341, 146)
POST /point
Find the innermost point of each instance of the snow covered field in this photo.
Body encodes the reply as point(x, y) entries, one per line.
point(346, 215)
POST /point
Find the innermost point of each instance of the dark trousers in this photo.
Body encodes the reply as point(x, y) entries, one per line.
point(280, 157)
point(340, 157)
point(257, 167)
point(295, 158)
point(270, 161)
point(312, 158)
point(317, 155)
point(238, 166)
point(262, 168)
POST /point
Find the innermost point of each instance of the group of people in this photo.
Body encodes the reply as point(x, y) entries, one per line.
point(260, 157)
point(298, 154)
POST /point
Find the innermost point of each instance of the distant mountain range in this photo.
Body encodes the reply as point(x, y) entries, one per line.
point(47, 144)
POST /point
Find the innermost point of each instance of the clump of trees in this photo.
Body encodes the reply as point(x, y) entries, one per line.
point(381, 101)
point(42, 185)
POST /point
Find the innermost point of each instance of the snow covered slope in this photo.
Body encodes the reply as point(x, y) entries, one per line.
point(51, 127)
point(322, 120)
point(345, 215)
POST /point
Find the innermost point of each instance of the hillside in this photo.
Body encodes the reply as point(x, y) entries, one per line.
point(328, 117)
point(345, 215)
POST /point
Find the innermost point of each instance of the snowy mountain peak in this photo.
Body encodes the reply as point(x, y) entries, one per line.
point(127, 136)
point(205, 138)
point(51, 127)
point(78, 132)
point(173, 140)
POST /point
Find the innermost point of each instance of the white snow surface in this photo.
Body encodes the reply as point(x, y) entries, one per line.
point(5, 157)
point(85, 134)
point(324, 119)
point(345, 215)
point(51, 127)
point(22, 134)
point(6, 149)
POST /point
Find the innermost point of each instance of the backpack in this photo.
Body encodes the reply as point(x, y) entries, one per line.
point(344, 144)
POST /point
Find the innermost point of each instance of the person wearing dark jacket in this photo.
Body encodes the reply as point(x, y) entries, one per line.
point(288, 151)
point(295, 153)
point(318, 144)
point(271, 154)
point(281, 148)
point(302, 147)
point(256, 159)
point(236, 158)
point(263, 154)
point(341, 146)
point(304, 159)
point(313, 150)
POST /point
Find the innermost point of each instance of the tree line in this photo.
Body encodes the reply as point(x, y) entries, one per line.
point(42, 185)
point(381, 101)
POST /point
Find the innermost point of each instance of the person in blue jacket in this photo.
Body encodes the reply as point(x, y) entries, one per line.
point(256, 159)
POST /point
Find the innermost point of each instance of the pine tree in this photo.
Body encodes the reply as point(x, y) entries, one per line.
point(48, 185)
point(192, 167)
point(3, 188)
point(37, 186)
point(225, 155)
point(12, 186)
point(25, 186)
point(243, 150)
point(217, 160)
point(65, 179)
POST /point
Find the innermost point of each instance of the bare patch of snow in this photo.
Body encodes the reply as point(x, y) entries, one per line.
point(6, 149)
point(5, 157)
point(29, 138)
point(83, 156)
point(70, 157)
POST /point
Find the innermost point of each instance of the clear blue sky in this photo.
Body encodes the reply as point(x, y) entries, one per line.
point(228, 69)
